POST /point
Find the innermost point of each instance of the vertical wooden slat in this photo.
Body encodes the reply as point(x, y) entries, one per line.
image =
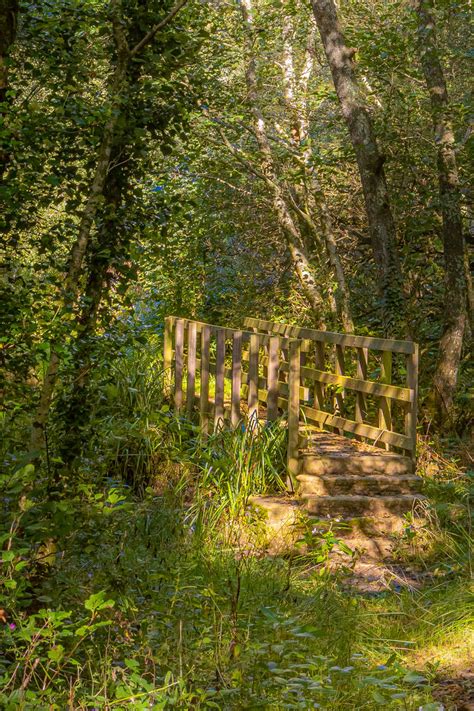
point(178, 360)
point(191, 376)
point(339, 369)
point(305, 349)
point(384, 409)
point(320, 362)
point(204, 394)
point(236, 378)
point(293, 411)
point(254, 348)
point(272, 378)
point(411, 413)
point(168, 356)
point(219, 395)
point(361, 402)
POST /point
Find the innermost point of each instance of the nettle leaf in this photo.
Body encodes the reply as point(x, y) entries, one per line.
point(97, 601)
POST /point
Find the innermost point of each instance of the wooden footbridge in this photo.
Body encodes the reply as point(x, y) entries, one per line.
point(349, 403)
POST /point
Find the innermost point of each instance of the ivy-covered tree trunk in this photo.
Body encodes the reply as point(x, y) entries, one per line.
point(78, 250)
point(454, 307)
point(8, 28)
point(124, 56)
point(370, 161)
point(103, 255)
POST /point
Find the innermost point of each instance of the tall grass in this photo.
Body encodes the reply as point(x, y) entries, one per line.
point(232, 466)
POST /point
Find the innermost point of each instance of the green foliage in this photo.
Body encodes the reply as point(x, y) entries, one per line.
point(232, 466)
point(147, 617)
point(134, 570)
point(113, 599)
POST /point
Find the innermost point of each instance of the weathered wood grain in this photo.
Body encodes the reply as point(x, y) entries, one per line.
point(178, 364)
point(191, 374)
point(204, 370)
point(236, 378)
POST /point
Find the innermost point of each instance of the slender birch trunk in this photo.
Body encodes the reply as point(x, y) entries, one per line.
point(455, 302)
point(296, 101)
point(370, 162)
point(290, 230)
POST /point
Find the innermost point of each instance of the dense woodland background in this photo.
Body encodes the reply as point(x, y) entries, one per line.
point(216, 160)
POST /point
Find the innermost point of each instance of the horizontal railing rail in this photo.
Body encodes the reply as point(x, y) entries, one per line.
point(326, 358)
point(341, 339)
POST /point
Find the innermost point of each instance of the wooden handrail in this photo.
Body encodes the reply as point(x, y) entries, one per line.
point(285, 368)
point(393, 392)
point(260, 390)
point(383, 433)
point(342, 339)
point(229, 332)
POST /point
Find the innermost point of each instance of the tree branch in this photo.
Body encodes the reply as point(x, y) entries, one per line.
point(159, 26)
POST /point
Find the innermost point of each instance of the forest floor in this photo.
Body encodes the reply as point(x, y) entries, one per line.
point(123, 595)
point(128, 610)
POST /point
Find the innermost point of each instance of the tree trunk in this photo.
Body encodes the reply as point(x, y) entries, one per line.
point(104, 254)
point(8, 27)
point(294, 240)
point(79, 248)
point(72, 281)
point(369, 160)
point(454, 306)
point(311, 192)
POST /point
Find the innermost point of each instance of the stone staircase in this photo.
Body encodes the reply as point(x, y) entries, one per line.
point(360, 492)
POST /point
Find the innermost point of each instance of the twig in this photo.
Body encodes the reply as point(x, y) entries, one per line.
point(159, 26)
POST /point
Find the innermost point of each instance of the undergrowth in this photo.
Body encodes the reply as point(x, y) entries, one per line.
point(143, 582)
point(128, 607)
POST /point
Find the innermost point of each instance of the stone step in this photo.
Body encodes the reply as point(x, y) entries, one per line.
point(333, 484)
point(347, 463)
point(350, 506)
point(287, 518)
point(360, 526)
point(377, 548)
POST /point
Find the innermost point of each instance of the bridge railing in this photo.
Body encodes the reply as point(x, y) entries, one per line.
point(228, 376)
point(357, 385)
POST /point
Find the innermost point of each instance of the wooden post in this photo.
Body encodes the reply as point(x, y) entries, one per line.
point(320, 362)
point(168, 356)
point(361, 402)
point(272, 378)
point(236, 378)
point(340, 369)
point(293, 410)
point(254, 348)
point(204, 394)
point(178, 359)
point(411, 413)
point(219, 395)
point(191, 376)
point(385, 406)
